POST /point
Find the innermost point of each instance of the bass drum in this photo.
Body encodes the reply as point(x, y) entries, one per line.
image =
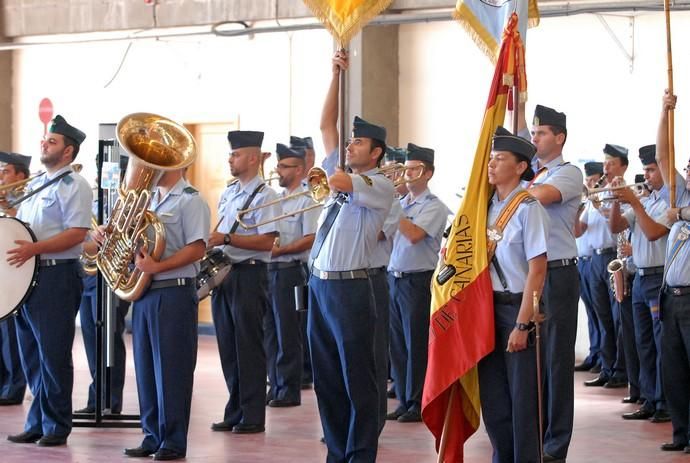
point(15, 283)
point(214, 267)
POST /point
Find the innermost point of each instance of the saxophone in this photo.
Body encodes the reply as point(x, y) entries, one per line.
point(618, 277)
point(154, 144)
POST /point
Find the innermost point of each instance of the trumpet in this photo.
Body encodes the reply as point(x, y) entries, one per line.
point(396, 173)
point(317, 181)
point(637, 186)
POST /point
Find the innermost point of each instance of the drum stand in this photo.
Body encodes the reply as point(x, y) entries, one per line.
point(105, 324)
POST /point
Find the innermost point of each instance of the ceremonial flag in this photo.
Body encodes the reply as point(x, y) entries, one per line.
point(484, 20)
point(461, 331)
point(345, 18)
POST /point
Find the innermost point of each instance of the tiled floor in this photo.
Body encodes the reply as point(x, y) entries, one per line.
point(293, 434)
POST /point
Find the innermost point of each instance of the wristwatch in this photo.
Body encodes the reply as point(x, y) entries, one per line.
point(226, 239)
point(524, 326)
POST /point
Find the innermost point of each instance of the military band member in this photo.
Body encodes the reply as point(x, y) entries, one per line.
point(285, 272)
point(649, 232)
point(165, 320)
point(342, 310)
point(241, 301)
point(60, 216)
point(508, 376)
point(412, 263)
point(13, 168)
point(558, 187)
point(675, 294)
point(594, 220)
point(592, 363)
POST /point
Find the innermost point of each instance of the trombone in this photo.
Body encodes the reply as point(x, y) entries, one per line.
point(396, 173)
point(317, 181)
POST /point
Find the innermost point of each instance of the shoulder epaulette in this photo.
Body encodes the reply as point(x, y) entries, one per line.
point(190, 190)
point(68, 179)
point(367, 180)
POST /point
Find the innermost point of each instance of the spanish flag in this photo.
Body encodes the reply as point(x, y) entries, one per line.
point(461, 331)
point(345, 18)
point(484, 20)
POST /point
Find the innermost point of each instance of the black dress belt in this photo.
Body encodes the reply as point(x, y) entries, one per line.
point(647, 271)
point(249, 262)
point(359, 274)
point(558, 263)
point(507, 298)
point(407, 274)
point(677, 290)
point(601, 251)
point(584, 258)
point(54, 262)
point(173, 283)
point(376, 271)
point(284, 265)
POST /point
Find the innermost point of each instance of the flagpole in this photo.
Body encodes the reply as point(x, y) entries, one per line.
point(446, 425)
point(671, 124)
point(341, 114)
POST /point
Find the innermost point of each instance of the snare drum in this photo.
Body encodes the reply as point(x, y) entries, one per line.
point(215, 266)
point(15, 283)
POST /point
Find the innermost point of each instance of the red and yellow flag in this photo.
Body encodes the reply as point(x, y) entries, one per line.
point(484, 20)
point(345, 18)
point(461, 331)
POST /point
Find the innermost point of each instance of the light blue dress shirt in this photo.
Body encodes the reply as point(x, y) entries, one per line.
point(186, 218)
point(677, 273)
point(600, 235)
point(232, 200)
point(63, 205)
point(525, 237)
point(649, 253)
point(382, 253)
point(297, 226)
point(584, 247)
point(430, 214)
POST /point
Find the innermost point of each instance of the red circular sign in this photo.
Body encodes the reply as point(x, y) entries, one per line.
point(45, 110)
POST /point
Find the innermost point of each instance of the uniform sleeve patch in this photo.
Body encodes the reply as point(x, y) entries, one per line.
point(367, 180)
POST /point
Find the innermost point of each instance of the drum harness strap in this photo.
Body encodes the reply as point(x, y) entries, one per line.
point(245, 206)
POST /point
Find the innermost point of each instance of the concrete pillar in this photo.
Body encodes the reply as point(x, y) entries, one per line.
point(5, 90)
point(373, 79)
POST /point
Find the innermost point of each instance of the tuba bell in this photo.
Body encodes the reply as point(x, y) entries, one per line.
point(154, 144)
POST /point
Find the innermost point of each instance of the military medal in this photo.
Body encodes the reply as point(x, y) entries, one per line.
point(684, 233)
point(494, 234)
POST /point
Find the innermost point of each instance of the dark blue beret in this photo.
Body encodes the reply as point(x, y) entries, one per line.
point(544, 115)
point(639, 178)
point(15, 158)
point(297, 142)
point(364, 129)
point(395, 154)
point(648, 155)
point(60, 125)
point(505, 141)
point(616, 151)
point(593, 168)
point(419, 153)
point(245, 138)
point(283, 151)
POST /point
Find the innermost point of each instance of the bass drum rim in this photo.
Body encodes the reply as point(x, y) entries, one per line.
point(34, 277)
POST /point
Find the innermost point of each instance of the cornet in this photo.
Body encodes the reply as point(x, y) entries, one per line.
point(396, 173)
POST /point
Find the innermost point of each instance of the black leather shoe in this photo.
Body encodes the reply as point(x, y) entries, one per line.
point(305, 386)
point(87, 409)
point(672, 447)
point(167, 454)
point(394, 415)
point(551, 459)
point(583, 366)
point(411, 416)
point(24, 437)
point(390, 393)
point(660, 416)
point(278, 403)
point(8, 401)
point(640, 414)
point(51, 441)
point(595, 369)
point(614, 383)
point(248, 428)
point(222, 426)
point(139, 452)
point(596, 382)
point(630, 400)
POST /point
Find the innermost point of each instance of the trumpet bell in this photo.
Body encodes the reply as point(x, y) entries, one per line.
point(317, 181)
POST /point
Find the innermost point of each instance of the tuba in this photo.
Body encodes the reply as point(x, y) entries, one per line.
point(154, 145)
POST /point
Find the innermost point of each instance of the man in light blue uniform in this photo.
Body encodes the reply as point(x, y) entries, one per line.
point(14, 167)
point(412, 263)
point(165, 320)
point(594, 220)
point(60, 216)
point(286, 272)
point(241, 301)
point(558, 187)
point(593, 172)
point(342, 310)
point(649, 232)
point(675, 294)
point(508, 375)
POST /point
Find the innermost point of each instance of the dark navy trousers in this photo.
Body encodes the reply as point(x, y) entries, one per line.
point(508, 393)
point(12, 381)
point(584, 266)
point(88, 315)
point(379, 282)
point(645, 300)
point(342, 326)
point(165, 341)
point(282, 335)
point(409, 320)
point(238, 307)
point(561, 295)
point(307, 378)
point(675, 358)
point(626, 341)
point(45, 331)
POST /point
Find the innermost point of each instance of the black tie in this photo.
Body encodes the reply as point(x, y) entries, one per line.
point(325, 228)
